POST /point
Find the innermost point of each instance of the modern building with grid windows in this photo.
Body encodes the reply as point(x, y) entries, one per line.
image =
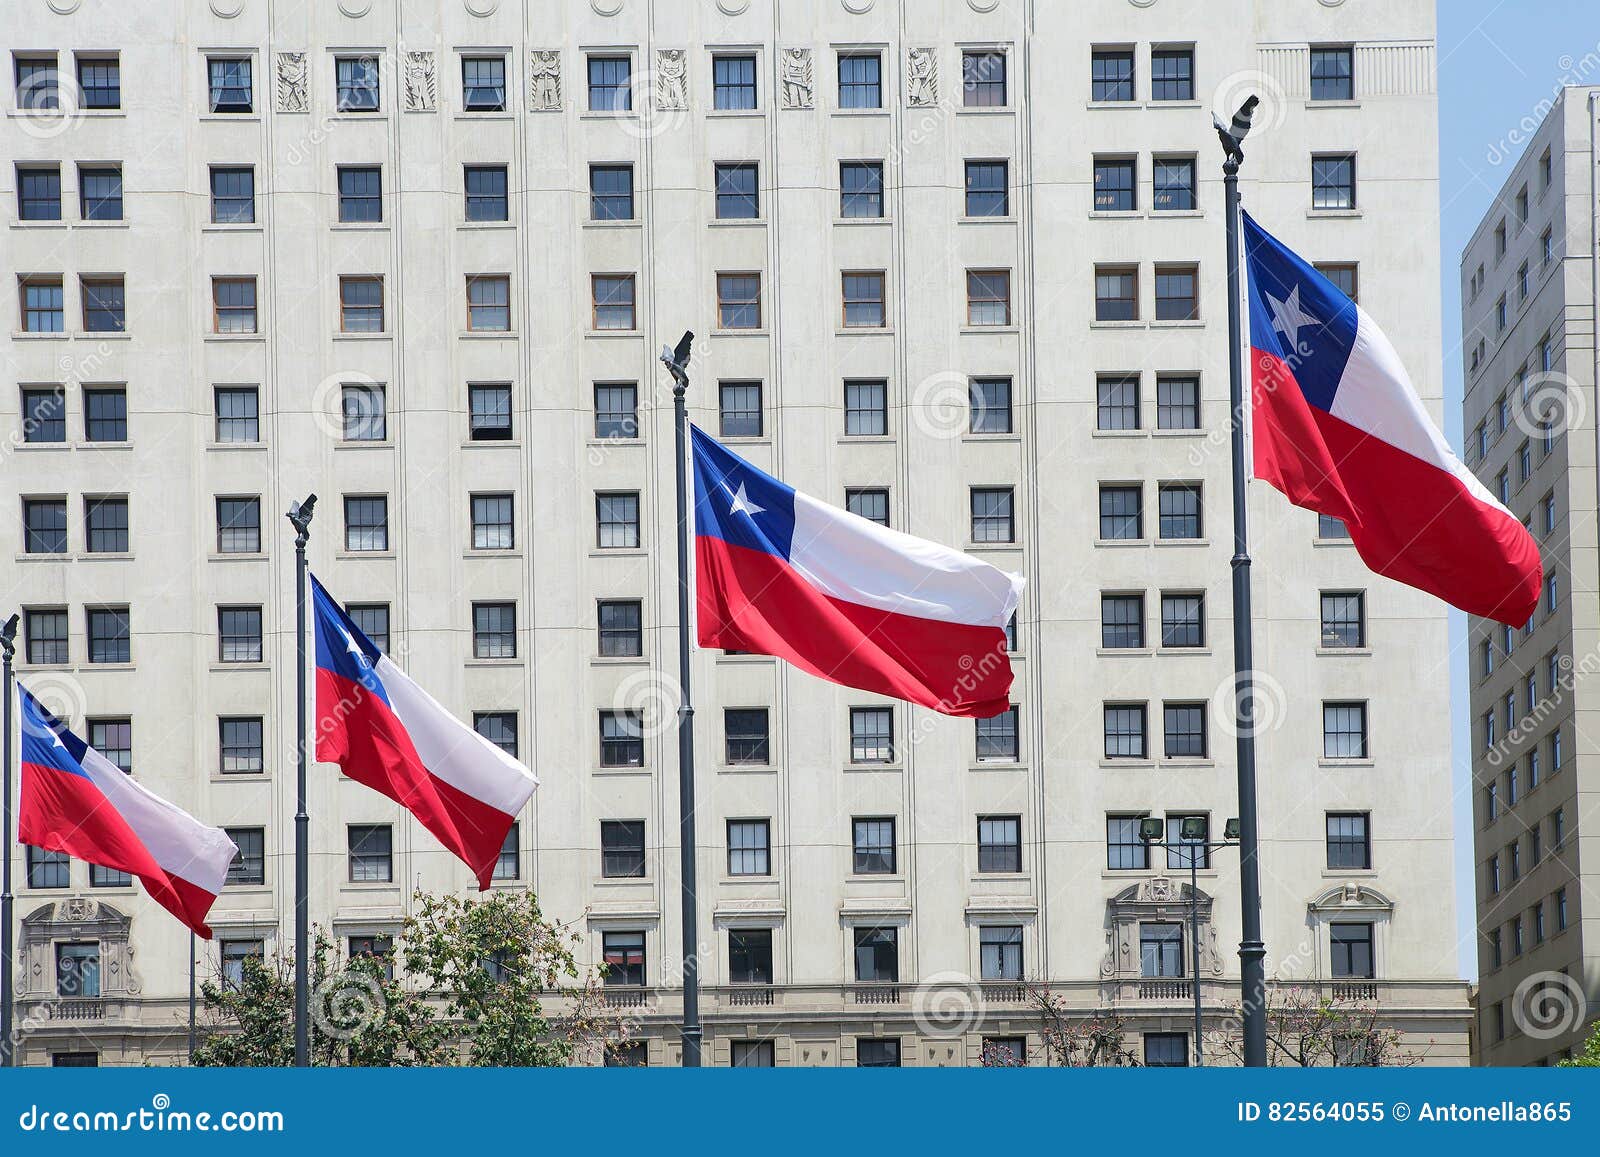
point(957, 267)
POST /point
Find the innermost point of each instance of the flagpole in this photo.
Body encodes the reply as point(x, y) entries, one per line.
point(300, 517)
point(8, 1047)
point(1252, 949)
point(191, 995)
point(677, 364)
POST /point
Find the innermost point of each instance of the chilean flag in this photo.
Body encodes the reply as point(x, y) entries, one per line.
point(386, 732)
point(1338, 428)
point(75, 800)
point(779, 573)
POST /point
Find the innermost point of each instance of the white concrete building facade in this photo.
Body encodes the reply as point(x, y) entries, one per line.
point(420, 259)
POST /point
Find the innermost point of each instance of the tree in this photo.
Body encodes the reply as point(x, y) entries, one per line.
point(1589, 1058)
point(1074, 1040)
point(1307, 1029)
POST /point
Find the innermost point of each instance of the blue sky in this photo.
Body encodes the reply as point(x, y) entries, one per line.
point(1498, 59)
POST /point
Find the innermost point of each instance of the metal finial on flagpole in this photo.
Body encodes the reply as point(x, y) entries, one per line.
point(8, 1046)
point(1252, 950)
point(300, 516)
point(677, 363)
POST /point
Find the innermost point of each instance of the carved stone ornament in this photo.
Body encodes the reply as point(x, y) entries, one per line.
point(1158, 898)
point(421, 87)
point(796, 86)
point(922, 77)
point(293, 93)
point(672, 78)
point(76, 919)
point(544, 80)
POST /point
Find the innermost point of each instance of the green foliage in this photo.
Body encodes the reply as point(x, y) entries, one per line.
point(1589, 1058)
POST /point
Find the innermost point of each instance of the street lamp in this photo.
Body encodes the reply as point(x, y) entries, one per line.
point(1194, 837)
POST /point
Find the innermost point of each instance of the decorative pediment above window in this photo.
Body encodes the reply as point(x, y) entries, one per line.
point(76, 919)
point(1155, 899)
point(1351, 898)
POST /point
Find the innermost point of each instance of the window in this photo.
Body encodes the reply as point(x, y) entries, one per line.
point(1172, 74)
point(100, 192)
point(990, 402)
point(44, 415)
point(1331, 527)
point(860, 80)
point(866, 408)
point(1558, 828)
point(249, 864)
point(78, 971)
point(230, 83)
point(233, 954)
point(1121, 513)
point(872, 846)
point(864, 301)
point(486, 193)
point(621, 739)
point(738, 197)
point(988, 297)
point(1166, 1050)
point(483, 83)
point(1117, 402)
point(239, 634)
point(371, 852)
point(1121, 621)
point(104, 305)
point(1115, 185)
point(364, 406)
point(238, 526)
point(1351, 946)
point(613, 301)
point(108, 634)
point(1111, 71)
point(1522, 282)
point(38, 84)
point(622, 849)
point(610, 84)
point(877, 955)
point(1160, 950)
point(745, 732)
point(983, 79)
point(1349, 843)
point(494, 630)
point(1177, 298)
point(43, 305)
point(1125, 851)
point(489, 412)
point(739, 409)
point(870, 502)
point(1333, 73)
point(1547, 248)
point(611, 192)
point(1344, 619)
point(1333, 181)
point(1179, 510)
point(238, 414)
point(739, 300)
point(871, 735)
point(498, 727)
point(1561, 909)
point(1000, 952)
point(1183, 620)
point(997, 737)
point(45, 633)
point(489, 303)
point(356, 82)
point(44, 523)
point(861, 189)
point(733, 81)
point(233, 302)
point(1184, 730)
point(1188, 851)
point(48, 869)
point(99, 82)
point(1173, 184)
point(992, 514)
point(360, 307)
point(1124, 730)
point(621, 632)
point(1344, 731)
point(999, 843)
point(105, 415)
point(492, 522)
point(240, 744)
point(1343, 277)
point(366, 522)
point(988, 189)
point(1116, 293)
point(877, 1053)
point(617, 520)
point(749, 848)
point(233, 195)
point(616, 411)
point(39, 194)
point(360, 194)
point(750, 955)
point(624, 957)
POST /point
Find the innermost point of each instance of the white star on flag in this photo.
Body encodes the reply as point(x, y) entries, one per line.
point(741, 502)
point(1287, 316)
